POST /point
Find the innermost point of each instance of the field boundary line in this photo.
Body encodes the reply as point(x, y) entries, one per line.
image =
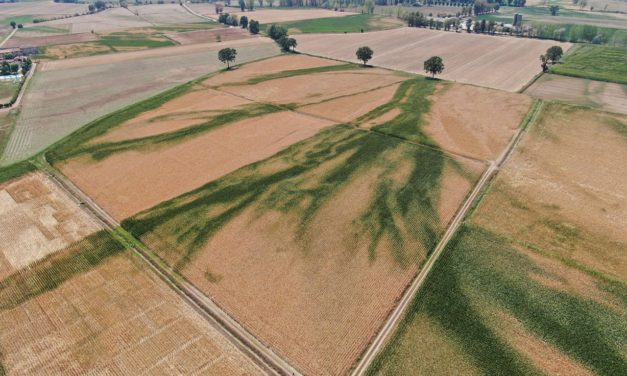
point(6, 39)
point(18, 100)
point(265, 358)
point(190, 10)
point(389, 327)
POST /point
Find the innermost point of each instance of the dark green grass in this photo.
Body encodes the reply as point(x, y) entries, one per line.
point(595, 62)
point(348, 24)
point(482, 269)
point(580, 33)
point(16, 170)
point(408, 124)
point(22, 19)
point(50, 272)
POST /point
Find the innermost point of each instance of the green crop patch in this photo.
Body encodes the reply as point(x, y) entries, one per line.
point(349, 24)
point(482, 285)
point(595, 62)
point(295, 72)
point(50, 272)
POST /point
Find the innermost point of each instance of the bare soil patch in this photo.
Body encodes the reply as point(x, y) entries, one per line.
point(347, 109)
point(605, 95)
point(564, 189)
point(508, 64)
point(117, 318)
point(37, 219)
point(192, 108)
point(212, 35)
point(129, 182)
point(50, 40)
point(317, 87)
point(481, 127)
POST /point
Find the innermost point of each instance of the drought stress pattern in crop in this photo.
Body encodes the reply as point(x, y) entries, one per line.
point(534, 282)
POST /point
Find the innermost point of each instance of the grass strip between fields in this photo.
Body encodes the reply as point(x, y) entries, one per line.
point(50, 272)
point(293, 73)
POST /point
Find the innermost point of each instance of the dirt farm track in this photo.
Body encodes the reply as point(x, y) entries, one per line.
point(490, 61)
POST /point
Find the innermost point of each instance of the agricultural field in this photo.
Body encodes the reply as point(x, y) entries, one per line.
point(112, 19)
point(25, 12)
point(264, 154)
point(65, 95)
point(604, 95)
point(8, 88)
point(266, 15)
point(596, 63)
point(164, 14)
point(509, 64)
point(349, 24)
point(534, 282)
point(73, 300)
point(210, 35)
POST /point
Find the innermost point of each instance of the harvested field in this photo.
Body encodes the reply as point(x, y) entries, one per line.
point(480, 128)
point(94, 309)
point(566, 184)
point(313, 88)
point(65, 95)
point(108, 20)
point(37, 219)
point(509, 64)
point(185, 166)
point(534, 283)
point(272, 15)
point(351, 239)
point(213, 35)
point(24, 12)
point(164, 14)
point(604, 95)
point(50, 40)
point(347, 109)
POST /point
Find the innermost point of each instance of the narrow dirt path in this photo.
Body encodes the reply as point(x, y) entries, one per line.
point(6, 39)
point(393, 320)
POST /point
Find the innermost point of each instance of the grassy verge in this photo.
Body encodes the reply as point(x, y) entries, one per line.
point(581, 33)
point(295, 72)
point(348, 24)
point(595, 62)
point(480, 277)
point(50, 272)
point(16, 170)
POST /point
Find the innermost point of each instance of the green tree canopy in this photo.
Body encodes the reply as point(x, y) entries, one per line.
point(364, 54)
point(434, 65)
point(227, 56)
point(554, 53)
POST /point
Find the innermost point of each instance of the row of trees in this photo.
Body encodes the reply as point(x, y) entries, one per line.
point(243, 22)
point(278, 33)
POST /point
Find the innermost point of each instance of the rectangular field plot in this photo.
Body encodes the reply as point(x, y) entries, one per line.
point(335, 228)
point(92, 308)
point(534, 283)
point(605, 95)
point(500, 63)
point(271, 15)
point(37, 219)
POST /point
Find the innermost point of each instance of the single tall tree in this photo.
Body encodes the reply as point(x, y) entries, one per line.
point(243, 22)
point(242, 5)
point(227, 56)
point(543, 63)
point(434, 65)
point(253, 27)
point(554, 53)
point(364, 54)
point(287, 43)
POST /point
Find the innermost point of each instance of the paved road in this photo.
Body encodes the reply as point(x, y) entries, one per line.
point(264, 357)
point(390, 325)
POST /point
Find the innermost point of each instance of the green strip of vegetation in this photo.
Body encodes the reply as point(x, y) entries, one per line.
point(581, 33)
point(121, 39)
point(480, 273)
point(49, 273)
point(103, 150)
point(595, 62)
point(69, 145)
point(348, 24)
point(16, 170)
point(411, 99)
point(296, 72)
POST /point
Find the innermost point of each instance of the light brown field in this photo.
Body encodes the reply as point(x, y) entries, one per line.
point(118, 183)
point(164, 14)
point(268, 66)
point(346, 109)
point(271, 15)
point(50, 40)
point(212, 35)
point(42, 9)
point(481, 127)
point(564, 190)
point(117, 318)
point(501, 63)
point(37, 219)
point(316, 87)
point(108, 20)
point(605, 95)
